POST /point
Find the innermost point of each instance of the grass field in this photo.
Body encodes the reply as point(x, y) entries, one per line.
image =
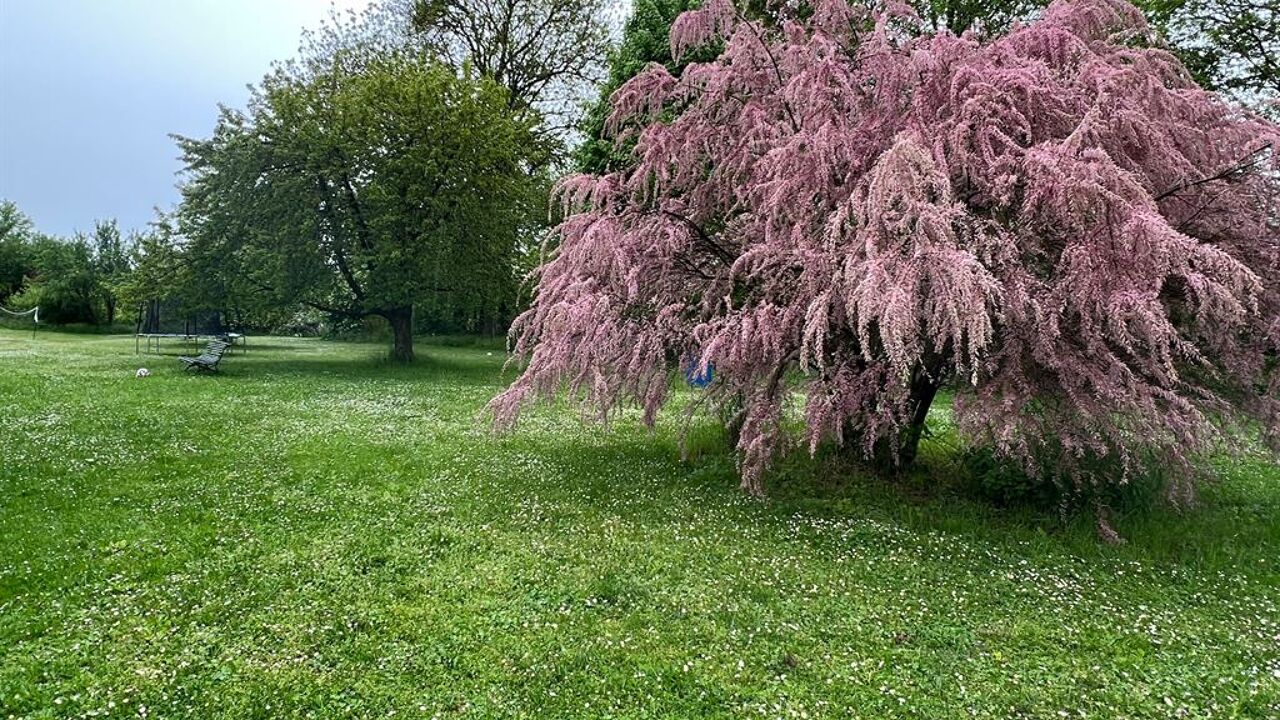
point(315, 533)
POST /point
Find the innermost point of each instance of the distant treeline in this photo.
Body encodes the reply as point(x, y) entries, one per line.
point(107, 279)
point(73, 279)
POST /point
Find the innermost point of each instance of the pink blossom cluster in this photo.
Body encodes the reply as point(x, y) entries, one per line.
point(841, 206)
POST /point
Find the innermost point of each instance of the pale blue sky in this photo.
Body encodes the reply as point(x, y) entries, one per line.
point(90, 89)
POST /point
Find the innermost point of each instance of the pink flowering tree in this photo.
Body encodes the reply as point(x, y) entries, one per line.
point(846, 211)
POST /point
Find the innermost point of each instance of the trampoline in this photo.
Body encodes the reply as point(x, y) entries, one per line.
point(185, 326)
point(153, 339)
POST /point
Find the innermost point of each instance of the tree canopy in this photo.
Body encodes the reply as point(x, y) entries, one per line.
point(1056, 220)
point(378, 185)
point(545, 52)
point(548, 54)
point(16, 230)
point(1228, 45)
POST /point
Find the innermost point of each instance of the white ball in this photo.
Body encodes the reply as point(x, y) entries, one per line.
point(142, 372)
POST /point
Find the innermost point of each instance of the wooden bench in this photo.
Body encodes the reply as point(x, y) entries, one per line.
point(209, 359)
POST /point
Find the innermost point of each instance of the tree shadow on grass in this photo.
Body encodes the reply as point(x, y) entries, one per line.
point(1234, 523)
point(428, 368)
point(430, 372)
point(253, 349)
point(1233, 520)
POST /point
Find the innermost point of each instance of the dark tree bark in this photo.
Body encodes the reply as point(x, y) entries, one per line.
point(900, 453)
point(151, 323)
point(401, 320)
point(923, 390)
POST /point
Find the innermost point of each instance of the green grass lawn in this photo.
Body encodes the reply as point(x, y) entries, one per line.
point(315, 533)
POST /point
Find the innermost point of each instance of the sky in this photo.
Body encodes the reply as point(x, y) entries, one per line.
point(91, 89)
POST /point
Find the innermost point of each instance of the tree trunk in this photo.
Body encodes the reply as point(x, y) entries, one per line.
point(923, 390)
point(901, 453)
point(152, 322)
point(401, 320)
point(734, 416)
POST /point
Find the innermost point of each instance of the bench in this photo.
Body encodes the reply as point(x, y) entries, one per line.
point(209, 359)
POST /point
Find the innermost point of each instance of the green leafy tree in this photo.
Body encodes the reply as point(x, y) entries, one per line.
point(70, 279)
point(983, 16)
point(160, 273)
point(542, 51)
point(16, 232)
point(63, 280)
point(111, 263)
point(644, 40)
point(548, 54)
point(381, 185)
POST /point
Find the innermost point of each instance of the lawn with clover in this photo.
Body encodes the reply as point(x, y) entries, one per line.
point(315, 533)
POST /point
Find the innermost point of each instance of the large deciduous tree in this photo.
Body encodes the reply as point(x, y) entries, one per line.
point(540, 50)
point(841, 206)
point(373, 186)
point(546, 53)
